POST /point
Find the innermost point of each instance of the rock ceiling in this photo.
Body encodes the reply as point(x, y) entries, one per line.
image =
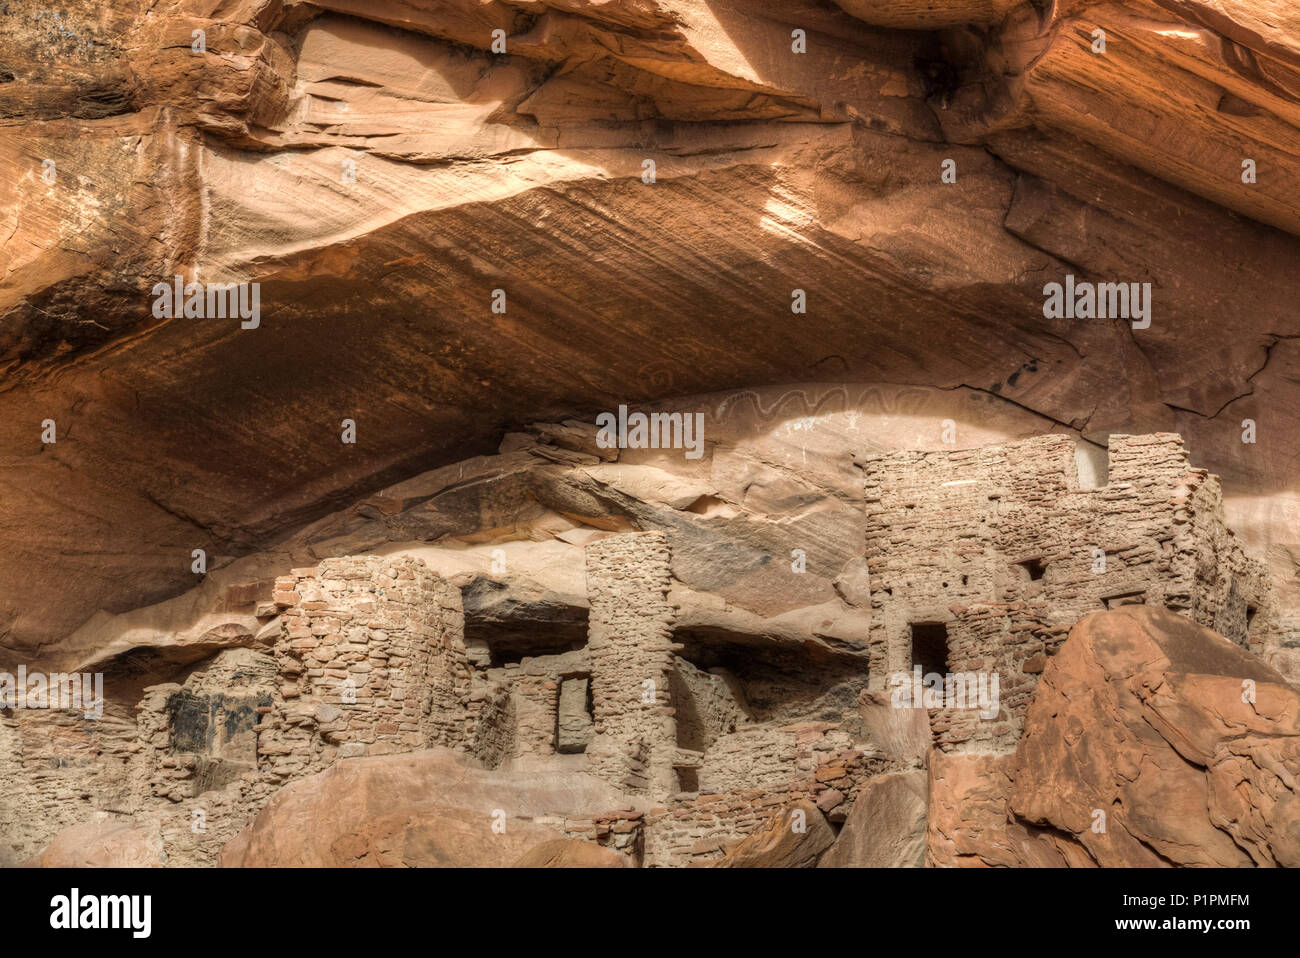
point(380, 171)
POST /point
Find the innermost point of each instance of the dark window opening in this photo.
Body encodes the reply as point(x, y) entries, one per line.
point(512, 630)
point(1035, 568)
point(688, 779)
point(510, 646)
point(574, 716)
point(1250, 617)
point(930, 646)
point(765, 683)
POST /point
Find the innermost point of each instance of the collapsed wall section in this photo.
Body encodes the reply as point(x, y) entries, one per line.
point(1229, 592)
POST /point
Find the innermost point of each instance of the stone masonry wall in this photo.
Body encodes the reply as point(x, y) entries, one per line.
point(630, 641)
point(373, 657)
point(58, 768)
point(204, 733)
point(1002, 547)
point(931, 522)
point(1231, 592)
point(193, 762)
point(812, 760)
point(533, 686)
point(1010, 524)
point(706, 704)
point(1011, 640)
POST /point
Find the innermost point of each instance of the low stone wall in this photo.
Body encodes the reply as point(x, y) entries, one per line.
point(814, 761)
point(1011, 641)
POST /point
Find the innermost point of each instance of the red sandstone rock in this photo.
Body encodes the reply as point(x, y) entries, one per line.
point(815, 170)
point(970, 826)
point(887, 826)
point(1067, 161)
point(432, 808)
point(1140, 715)
point(567, 853)
point(105, 844)
point(794, 837)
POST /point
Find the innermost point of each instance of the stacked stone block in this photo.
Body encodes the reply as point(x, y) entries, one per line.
point(1010, 640)
point(537, 700)
point(372, 654)
point(539, 721)
point(1003, 530)
point(751, 776)
point(620, 830)
point(634, 744)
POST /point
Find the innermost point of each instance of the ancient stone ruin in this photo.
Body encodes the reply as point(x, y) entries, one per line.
point(979, 561)
point(655, 433)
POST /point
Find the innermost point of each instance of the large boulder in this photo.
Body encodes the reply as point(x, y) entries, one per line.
point(971, 826)
point(106, 843)
point(422, 809)
point(571, 853)
point(794, 837)
point(1152, 741)
point(886, 828)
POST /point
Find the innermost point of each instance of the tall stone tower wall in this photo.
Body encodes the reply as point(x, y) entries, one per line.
point(630, 641)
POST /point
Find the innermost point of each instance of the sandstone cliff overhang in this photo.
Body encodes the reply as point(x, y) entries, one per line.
point(380, 171)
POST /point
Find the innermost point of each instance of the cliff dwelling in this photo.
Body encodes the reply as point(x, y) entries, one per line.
point(648, 434)
point(979, 560)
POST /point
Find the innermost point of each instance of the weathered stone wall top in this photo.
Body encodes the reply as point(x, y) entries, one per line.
point(1041, 466)
point(1159, 457)
point(1028, 468)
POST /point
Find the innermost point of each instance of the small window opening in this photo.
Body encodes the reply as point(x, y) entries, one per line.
point(1034, 567)
point(930, 646)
